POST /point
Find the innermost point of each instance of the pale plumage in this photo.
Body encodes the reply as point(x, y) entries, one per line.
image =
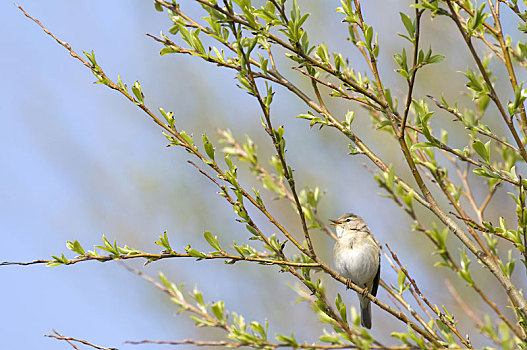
point(357, 258)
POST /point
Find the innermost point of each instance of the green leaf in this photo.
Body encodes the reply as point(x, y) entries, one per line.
point(429, 137)
point(464, 271)
point(259, 329)
point(330, 338)
point(486, 172)
point(476, 21)
point(76, 247)
point(168, 50)
point(212, 240)
point(368, 35)
point(482, 149)
point(218, 310)
point(341, 307)
point(163, 242)
point(194, 253)
point(209, 149)
point(323, 54)
point(252, 230)
point(113, 249)
point(136, 89)
point(401, 279)
point(520, 95)
point(442, 326)
point(408, 199)
point(389, 176)
point(508, 268)
point(91, 58)
point(169, 117)
point(228, 161)
point(271, 185)
point(308, 116)
point(62, 260)
point(350, 116)
point(422, 145)
point(403, 65)
point(121, 84)
point(409, 25)
point(287, 340)
point(187, 138)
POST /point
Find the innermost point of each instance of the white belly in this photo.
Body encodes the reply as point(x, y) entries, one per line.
point(359, 265)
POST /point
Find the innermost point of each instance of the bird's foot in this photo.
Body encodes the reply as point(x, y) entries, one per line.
point(348, 283)
point(365, 292)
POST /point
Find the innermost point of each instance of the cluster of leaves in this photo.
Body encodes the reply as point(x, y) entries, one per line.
point(254, 334)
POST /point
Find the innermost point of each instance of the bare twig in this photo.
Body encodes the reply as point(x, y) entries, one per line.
point(69, 340)
point(477, 321)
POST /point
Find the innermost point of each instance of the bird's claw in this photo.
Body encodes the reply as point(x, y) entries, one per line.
point(349, 284)
point(365, 292)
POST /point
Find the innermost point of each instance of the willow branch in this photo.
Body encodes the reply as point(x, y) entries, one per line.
point(154, 257)
point(227, 344)
point(411, 82)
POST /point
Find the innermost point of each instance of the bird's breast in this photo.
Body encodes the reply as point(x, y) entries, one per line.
point(360, 263)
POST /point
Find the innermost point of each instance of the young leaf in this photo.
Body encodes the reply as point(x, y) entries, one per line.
point(209, 149)
point(482, 149)
point(212, 240)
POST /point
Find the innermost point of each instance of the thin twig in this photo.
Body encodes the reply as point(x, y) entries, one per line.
point(59, 336)
point(468, 310)
point(154, 257)
point(181, 301)
point(411, 81)
point(480, 131)
point(399, 298)
point(450, 325)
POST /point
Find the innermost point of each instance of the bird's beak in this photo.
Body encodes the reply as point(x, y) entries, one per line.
point(334, 222)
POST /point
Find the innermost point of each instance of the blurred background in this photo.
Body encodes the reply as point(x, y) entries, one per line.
point(79, 161)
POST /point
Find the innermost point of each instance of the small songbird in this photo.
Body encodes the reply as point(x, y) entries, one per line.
point(358, 258)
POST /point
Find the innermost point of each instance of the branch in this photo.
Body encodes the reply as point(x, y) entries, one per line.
point(230, 259)
point(227, 344)
point(59, 336)
point(411, 82)
point(482, 132)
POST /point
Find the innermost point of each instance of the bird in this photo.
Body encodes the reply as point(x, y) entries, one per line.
point(358, 259)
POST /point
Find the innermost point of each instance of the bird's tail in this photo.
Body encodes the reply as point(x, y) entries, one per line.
point(365, 312)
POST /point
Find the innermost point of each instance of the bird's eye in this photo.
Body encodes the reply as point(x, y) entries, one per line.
point(348, 219)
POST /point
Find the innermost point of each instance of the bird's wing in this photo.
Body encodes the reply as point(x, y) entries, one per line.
point(376, 281)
